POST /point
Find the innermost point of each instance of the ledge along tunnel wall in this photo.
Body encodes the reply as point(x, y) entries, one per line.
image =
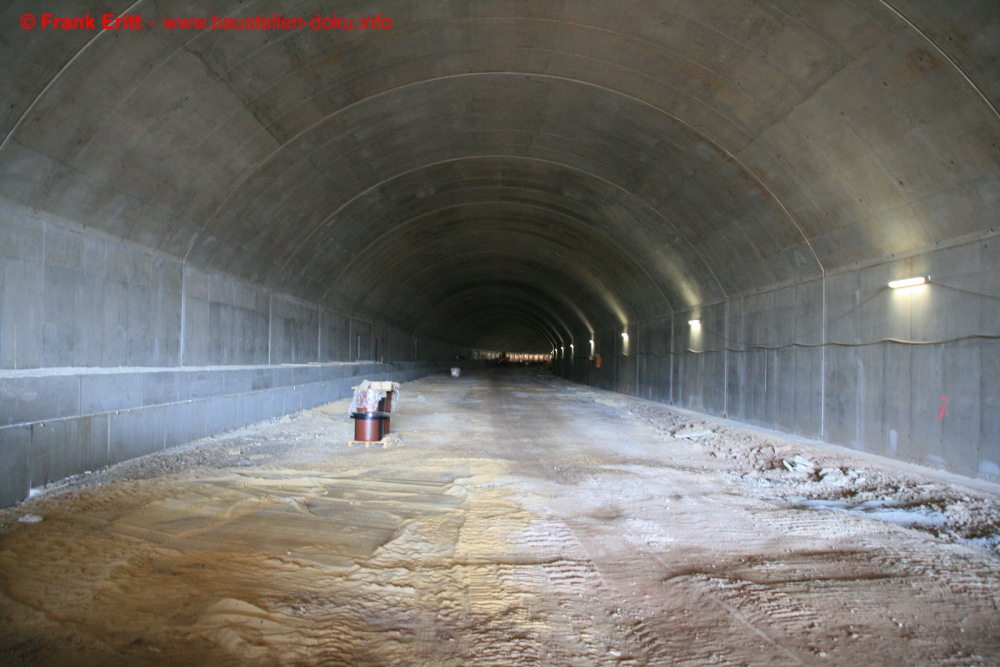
point(482, 176)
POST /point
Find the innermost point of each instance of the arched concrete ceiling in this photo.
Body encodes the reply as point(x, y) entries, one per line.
point(515, 173)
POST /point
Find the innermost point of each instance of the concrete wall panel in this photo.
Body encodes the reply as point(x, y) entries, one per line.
point(136, 433)
point(896, 399)
point(62, 287)
point(65, 447)
point(222, 413)
point(290, 399)
point(334, 343)
point(185, 422)
point(201, 384)
point(238, 381)
point(162, 387)
point(23, 313)
point(360, 340)
point(926, 384)
point(808, 395)
point(272, 404)
point(226, 321)
point(961, 384)
point(989, 412)
point(263, 378)
point(251, 408)
point(869, 408)
point(15, 473)
point(294, 331)
point(284, 377)
point(196, 317)
point(29, 399)
point(21, 288)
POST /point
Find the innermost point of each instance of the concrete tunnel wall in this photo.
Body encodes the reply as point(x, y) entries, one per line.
point(75, 298)
point(116, 352)
point(845, 360)
point(495, 175)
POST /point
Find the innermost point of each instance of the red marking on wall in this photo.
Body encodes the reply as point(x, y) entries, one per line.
point(942, 413)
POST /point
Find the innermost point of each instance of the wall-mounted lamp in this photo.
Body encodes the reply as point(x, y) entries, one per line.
point(591, 341)
point(625, 335)
point(695, 324)
point(909, 282)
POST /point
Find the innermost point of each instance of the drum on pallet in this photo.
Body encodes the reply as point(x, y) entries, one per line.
point(369, 426)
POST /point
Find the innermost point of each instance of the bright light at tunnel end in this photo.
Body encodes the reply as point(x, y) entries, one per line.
point(909, 282)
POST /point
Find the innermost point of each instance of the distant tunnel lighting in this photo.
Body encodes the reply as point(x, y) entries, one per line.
point(625, 335)
point(591, 341)
point(909, 282)
point(695, 323)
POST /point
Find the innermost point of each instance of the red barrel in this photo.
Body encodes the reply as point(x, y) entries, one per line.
point(369, 426)
point(385, 405)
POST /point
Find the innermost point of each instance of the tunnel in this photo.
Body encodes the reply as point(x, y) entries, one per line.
point(771, 217)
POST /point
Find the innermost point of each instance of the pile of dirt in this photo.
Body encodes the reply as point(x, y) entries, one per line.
point(770, 468)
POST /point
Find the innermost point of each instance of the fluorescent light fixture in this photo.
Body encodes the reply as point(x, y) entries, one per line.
point(694, 323)
point(909, 282)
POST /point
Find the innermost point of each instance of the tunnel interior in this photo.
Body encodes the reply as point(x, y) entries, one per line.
point(205, 227)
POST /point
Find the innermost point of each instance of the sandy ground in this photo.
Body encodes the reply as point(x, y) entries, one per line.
point(520, 520)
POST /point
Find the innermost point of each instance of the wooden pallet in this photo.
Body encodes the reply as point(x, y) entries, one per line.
point(384, 442)
point(391, 439)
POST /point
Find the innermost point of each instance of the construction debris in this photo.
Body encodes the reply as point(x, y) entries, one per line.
point(690, 435)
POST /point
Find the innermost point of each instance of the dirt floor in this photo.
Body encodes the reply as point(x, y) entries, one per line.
point(519, 520)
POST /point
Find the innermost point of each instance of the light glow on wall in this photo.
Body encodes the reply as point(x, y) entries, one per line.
point(909, 282)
